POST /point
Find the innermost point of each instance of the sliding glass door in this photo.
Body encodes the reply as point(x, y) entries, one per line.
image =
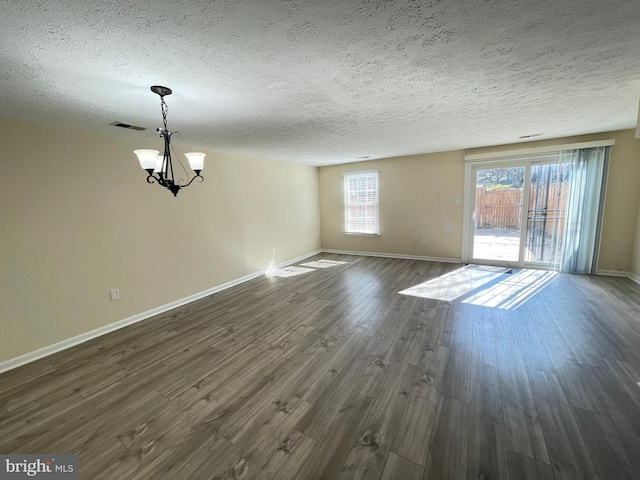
point(497, 228)
point(540, 210)
point(518, 212)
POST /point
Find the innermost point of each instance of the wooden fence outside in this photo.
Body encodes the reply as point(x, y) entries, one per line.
point(500, 207)
point(547, 208)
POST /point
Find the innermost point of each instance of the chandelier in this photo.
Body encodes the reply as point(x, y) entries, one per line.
point(160, 167)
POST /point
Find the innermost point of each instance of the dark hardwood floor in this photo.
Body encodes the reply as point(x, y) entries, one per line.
point(332, 373)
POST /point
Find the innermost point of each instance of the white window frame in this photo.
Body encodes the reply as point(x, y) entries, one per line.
point(368, 174)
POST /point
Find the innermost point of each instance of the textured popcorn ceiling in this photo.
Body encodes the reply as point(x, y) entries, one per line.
point(323, 82)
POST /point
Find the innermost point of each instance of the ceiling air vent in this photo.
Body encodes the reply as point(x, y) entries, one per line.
point(126, 125)
point(530, 136)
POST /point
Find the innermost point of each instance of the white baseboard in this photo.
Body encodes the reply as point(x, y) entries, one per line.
point(613, 273)
point(394, 255)
point(73, 341)
point(619, 273)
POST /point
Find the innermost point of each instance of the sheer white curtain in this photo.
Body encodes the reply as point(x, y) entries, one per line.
point(584, 208)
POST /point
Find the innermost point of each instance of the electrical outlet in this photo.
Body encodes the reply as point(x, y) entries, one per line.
point(115, 294)
point(285, 247)
point(273, 250)
point(424, 241)
point(448, 227)
point(458, 200)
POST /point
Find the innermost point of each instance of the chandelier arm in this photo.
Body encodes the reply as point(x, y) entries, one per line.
point(198, 176)
point(151, 178)
point(168, 184)
point(177, 157)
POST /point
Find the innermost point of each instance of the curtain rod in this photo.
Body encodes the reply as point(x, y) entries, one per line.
point(534, 150)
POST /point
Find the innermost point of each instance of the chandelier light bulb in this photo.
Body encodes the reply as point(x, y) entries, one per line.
point(147, 158)
point(196, 160)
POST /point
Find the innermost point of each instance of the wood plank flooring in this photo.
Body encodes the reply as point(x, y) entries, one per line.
point(332, 374)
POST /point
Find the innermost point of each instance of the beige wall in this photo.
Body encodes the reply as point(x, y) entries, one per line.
point(417, 196)
point(78, 220)
point(406, 212)
point(635, 264)
point(621, 207)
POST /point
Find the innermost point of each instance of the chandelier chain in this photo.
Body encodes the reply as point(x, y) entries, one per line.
point(165, 109)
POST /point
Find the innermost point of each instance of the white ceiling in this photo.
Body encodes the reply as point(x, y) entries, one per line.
point(321, 82)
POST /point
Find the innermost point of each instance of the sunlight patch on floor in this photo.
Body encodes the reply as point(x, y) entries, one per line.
point(286, 272)
point(294, 271)
point(456, 284)
point(513, 290)
point(322, 264)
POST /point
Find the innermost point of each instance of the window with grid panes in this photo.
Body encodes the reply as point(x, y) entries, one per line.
point(361, 203)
